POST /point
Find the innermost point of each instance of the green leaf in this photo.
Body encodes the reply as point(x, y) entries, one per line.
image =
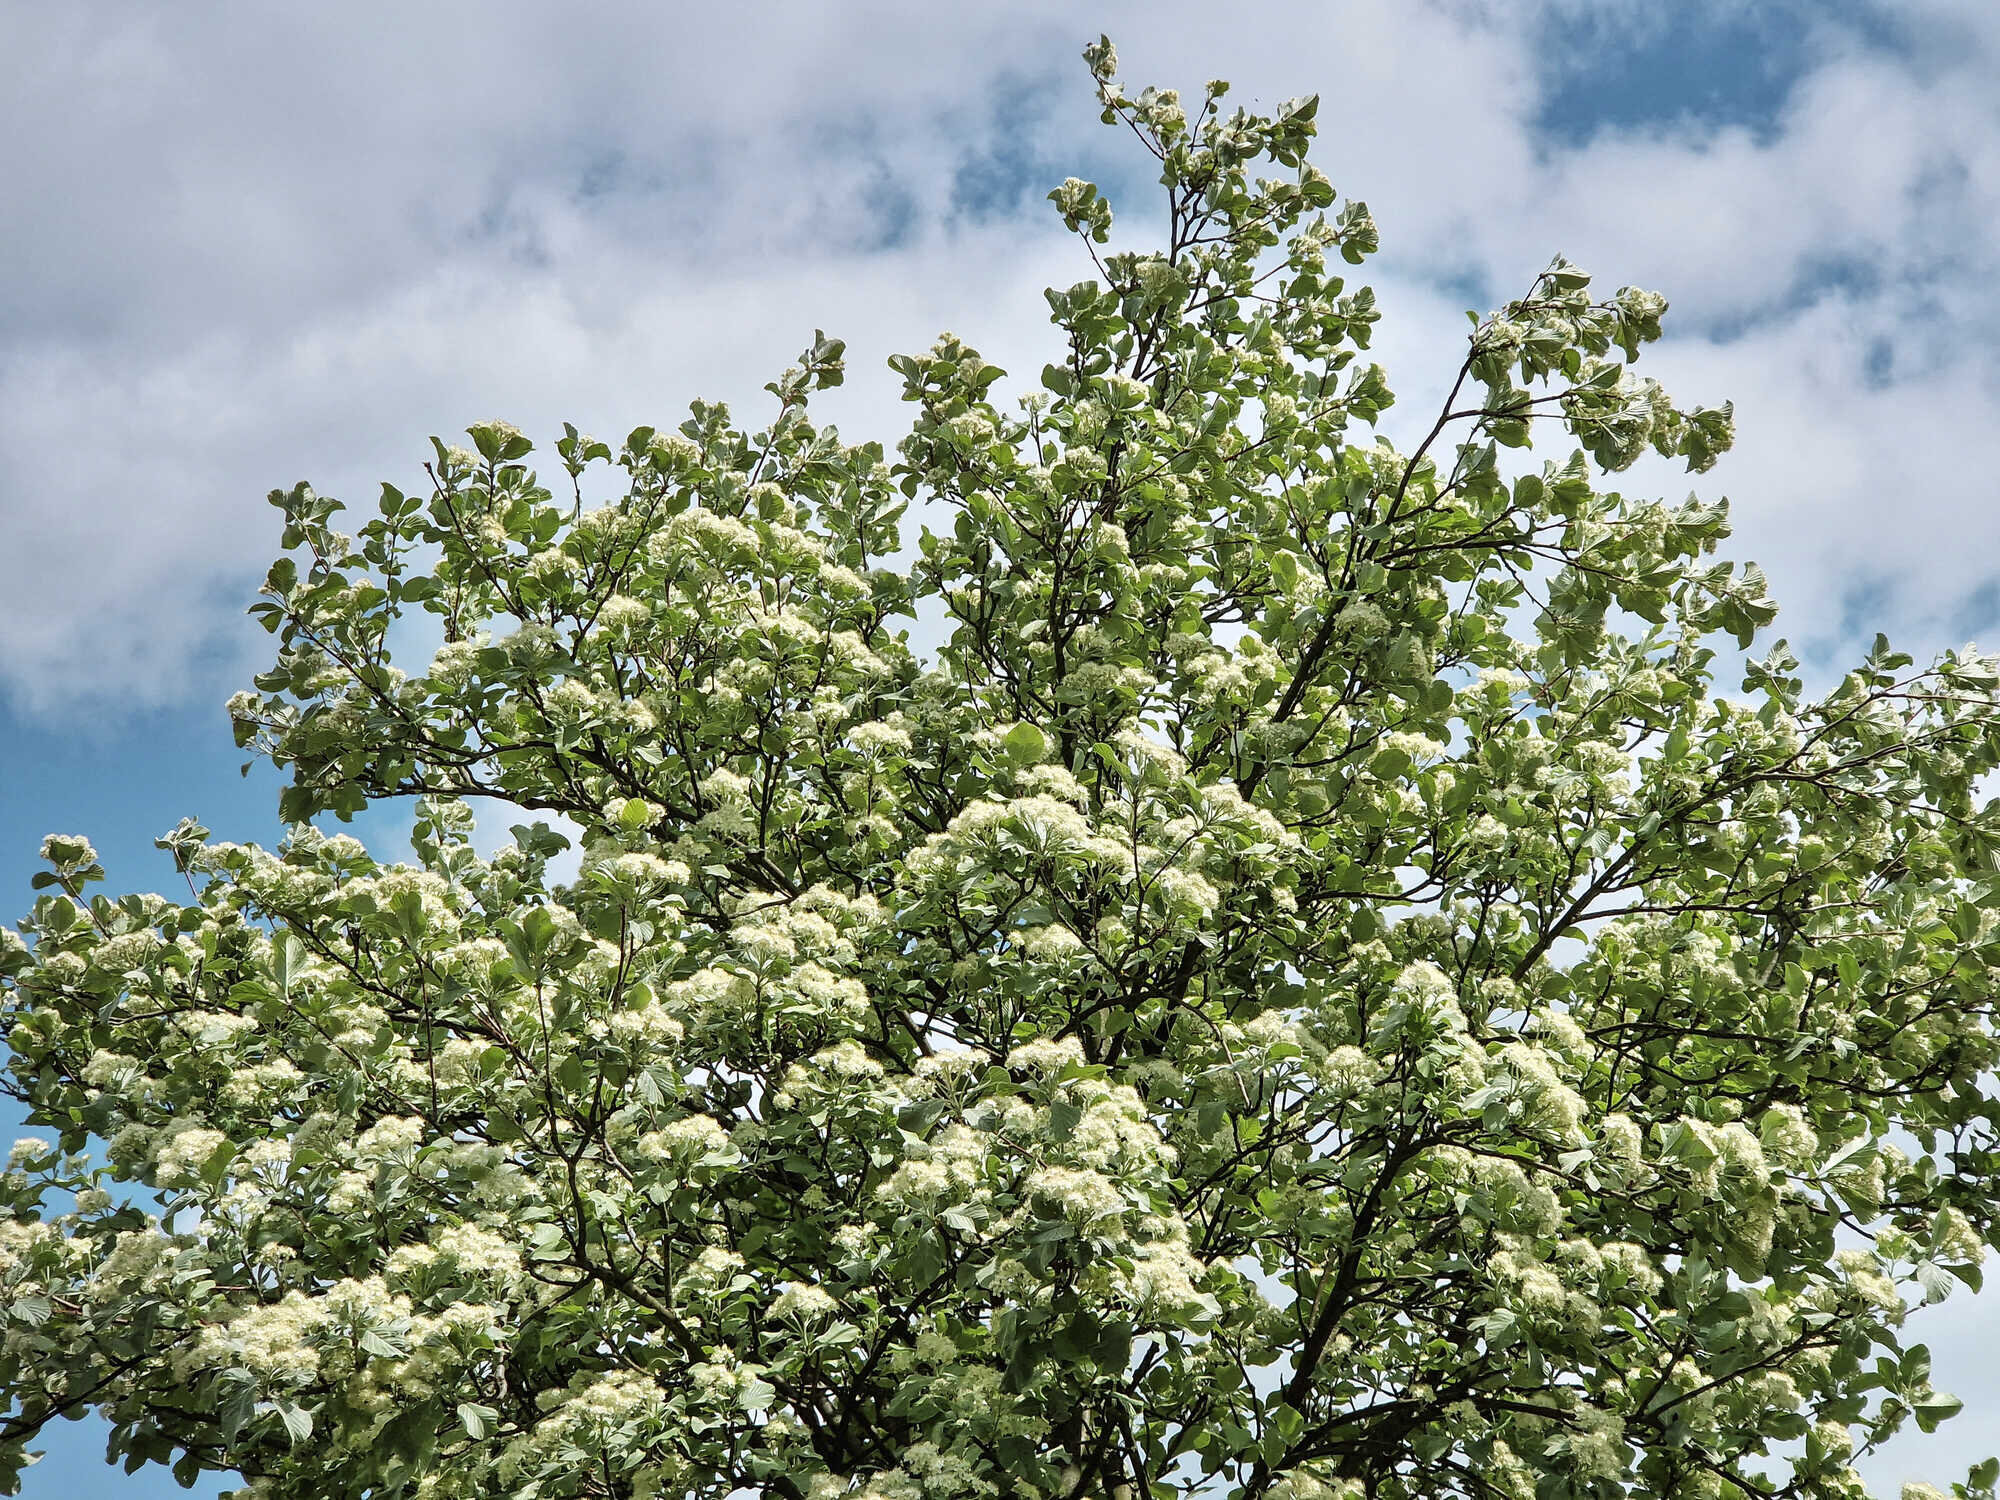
point(31, 1308)
point(1026, 745)
point(1935, 1408)
point(1935, 1280)
point(298, 1422)
point(1063, 1120)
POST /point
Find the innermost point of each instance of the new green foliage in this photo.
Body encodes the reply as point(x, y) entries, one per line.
point(1307, 988)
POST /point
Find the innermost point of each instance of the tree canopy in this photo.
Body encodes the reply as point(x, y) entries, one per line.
point(1212, 956)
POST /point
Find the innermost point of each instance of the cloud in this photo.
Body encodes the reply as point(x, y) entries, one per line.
point(278, 246)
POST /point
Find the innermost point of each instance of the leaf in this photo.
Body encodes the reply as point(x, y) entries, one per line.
point(1849, 1157)
point(477, 1420)
point(1937, 1407)
point(1389, 762)
point(1063, 1120)
point(237, 1410)
point(1687, 1148)
point(1287, 1420)
point(1499, 1328)
point(1026, 745)
point(216, 1166)
point(1935, 1280)
point(297, 1420)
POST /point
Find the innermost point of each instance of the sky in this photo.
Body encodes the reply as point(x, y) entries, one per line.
point(247, 246)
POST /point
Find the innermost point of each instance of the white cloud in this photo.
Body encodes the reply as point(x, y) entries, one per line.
point(282, 248)
point(293, 248)
point(140, 485)
point(288, 247)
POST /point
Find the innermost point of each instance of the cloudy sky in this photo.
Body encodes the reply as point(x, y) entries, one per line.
point(245, 246)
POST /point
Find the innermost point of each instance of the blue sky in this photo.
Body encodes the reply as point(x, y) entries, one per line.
point(254, 247)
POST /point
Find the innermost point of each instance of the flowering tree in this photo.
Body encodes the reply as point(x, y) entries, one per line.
point(1307, 989)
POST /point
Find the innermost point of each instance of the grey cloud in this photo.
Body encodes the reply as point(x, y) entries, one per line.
point(255, 246)
point(269, 245)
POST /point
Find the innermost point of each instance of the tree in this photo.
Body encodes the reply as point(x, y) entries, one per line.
point(1308, 989)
